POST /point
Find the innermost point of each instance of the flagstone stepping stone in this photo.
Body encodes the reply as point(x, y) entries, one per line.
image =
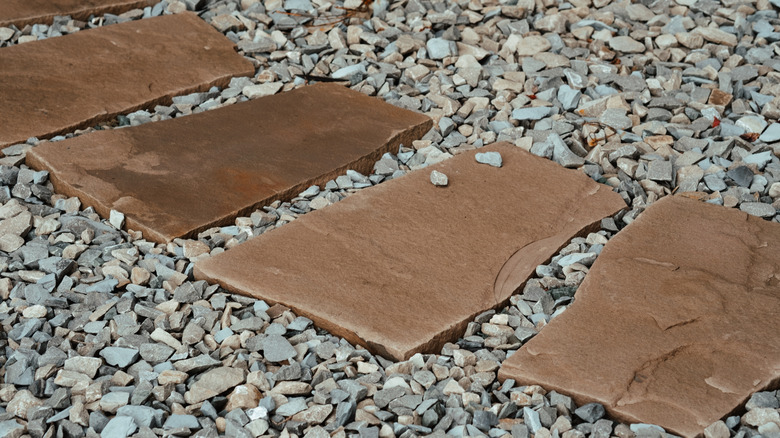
point(674, 324)
point(178, 177)
point(404, 266)
point(59, 84)
point(23, 12)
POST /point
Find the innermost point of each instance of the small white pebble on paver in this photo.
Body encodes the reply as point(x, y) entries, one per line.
point(439, 179)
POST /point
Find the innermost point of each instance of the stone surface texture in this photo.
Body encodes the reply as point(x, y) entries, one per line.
point(77, 80)
point(178, 177)
point(23, 12)
point(381, 268)
point(652, 332)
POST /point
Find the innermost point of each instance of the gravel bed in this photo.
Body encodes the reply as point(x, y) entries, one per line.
point(106, 334)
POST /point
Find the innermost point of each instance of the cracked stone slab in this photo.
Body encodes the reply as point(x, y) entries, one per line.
point(404, 266)
point(670, 325)
point(23, 12)
point(178, 177)
point(78, 80)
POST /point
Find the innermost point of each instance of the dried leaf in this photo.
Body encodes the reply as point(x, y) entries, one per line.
point(749, 136)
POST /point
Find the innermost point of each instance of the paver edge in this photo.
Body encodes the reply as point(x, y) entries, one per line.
point(81, 14)
point(219, 81)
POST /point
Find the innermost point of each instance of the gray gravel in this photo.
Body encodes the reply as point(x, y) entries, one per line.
point(107, 334)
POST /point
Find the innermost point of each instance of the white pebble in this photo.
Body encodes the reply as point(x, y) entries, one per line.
point(490, 158)
point(439, 179)
point(117, 219)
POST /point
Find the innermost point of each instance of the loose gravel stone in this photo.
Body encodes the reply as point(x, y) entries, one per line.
point(119, 356)
point(771, 133)
point(119, 426)
point(590, 412)
point(758, 209)
point(213, 383)
point(626, 45)
point(489, 158)
point(277, 349)
point(439, 179)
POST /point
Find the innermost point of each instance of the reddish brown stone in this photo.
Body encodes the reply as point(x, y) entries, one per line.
point(721, 98)
point(177, 177)
point(56, 85)
point(674, 324)
point(23, 12)
point(403, 267)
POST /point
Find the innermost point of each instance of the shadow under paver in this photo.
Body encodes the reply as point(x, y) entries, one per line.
point(178, 177)
point(404, 266)
point(56, 85)
point(23, 12)
point(674, 325)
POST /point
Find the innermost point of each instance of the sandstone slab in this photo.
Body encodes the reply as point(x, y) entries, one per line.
point(178, 177)
point(23, 12)
point(674, 323)
point(404, 266)
point(78, 80)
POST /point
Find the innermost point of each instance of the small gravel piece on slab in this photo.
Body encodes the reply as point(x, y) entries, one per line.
point(439, 179)
point(490, 158)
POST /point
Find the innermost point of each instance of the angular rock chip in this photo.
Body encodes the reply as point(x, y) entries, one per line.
point(81, 79)
point(213, 383)
point(404, 266)
point(178, 177)
point(23, 12)
point(653, 332)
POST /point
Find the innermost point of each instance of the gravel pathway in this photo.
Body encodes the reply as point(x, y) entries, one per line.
point(106, 334)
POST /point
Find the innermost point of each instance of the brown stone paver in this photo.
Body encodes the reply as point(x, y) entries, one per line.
point(177, 177)
point(404, 266)
point(55, 85)
point(23, 12)
point(675, 324)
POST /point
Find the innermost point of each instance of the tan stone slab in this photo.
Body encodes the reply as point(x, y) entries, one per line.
point(23, 12)
point(178, 177)
point(674, 325)
point(404, 266)
point(59, 84)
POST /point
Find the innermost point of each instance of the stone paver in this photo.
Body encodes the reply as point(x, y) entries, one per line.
point(77, 80)
point(403, 267)
point(23, 12)
point(674, 324)
point(180, 176)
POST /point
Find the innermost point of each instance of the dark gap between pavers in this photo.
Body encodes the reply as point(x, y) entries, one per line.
point(23, 12)
point(56, 85)
point(402, 267)
point(178, 177)
point(674, 324)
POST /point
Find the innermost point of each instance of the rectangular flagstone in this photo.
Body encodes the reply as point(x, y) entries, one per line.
point(178, 177)
point(59, 84)
point(404, 266)
point(674, 324)
point(23, 12)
